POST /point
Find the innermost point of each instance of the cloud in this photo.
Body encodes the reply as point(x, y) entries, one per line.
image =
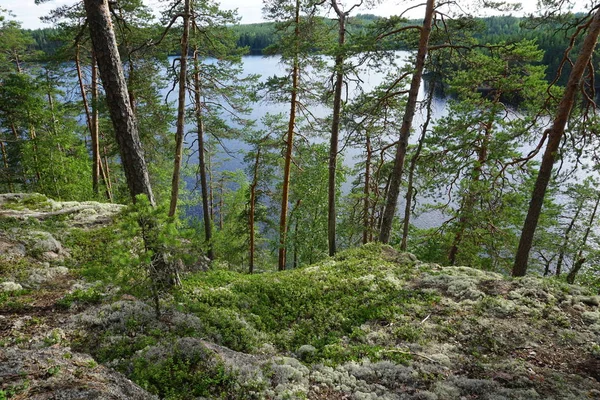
point(28, 13)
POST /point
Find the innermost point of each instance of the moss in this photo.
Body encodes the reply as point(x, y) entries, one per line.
point(88, 296)
point(316, 306)
point(183, 373)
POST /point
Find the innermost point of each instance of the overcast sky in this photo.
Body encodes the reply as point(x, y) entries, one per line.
point(28, 13)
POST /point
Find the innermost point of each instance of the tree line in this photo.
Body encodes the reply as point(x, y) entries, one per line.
point(487, 167)
point(550, 37)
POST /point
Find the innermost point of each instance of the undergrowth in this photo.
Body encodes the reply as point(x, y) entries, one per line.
point(320, 305)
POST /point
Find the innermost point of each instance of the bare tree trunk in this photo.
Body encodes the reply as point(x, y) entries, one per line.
point(555, 133)
point(86, 107)
point(99, 167)
point(123, 119)
point(466, 210)
point(580, 259)
point(17, 63)
point(563, 247)
point(11, 187)
point(288, 153)
point(201, 161)
point(179, 135)
point(409, 113)
point(366, 191)
point(411, 170)
point(211, 189)
point(221, 202)
point(335, 126)
point(94, 127)
point(253, 208)
point(36, 161)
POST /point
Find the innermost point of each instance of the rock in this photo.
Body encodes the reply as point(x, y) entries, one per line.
point(59, 374)
point(10, 287)
point(11, 250)
point(42, 242)
point(51, 256)
point(37, 276)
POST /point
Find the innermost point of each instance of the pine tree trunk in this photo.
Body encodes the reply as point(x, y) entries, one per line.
point(11, 187)
point(580, 259)
point(84, 99)
point(366, 192)
point(335, 126)
point(468, 205)
point(411, 170)
point(179, 135)
point(409, 113)
point(555, 134)
point(253, 208)
point(201, 160)
point(563, 248)
point(98, 166)
point(113, 79)
point(288, 153)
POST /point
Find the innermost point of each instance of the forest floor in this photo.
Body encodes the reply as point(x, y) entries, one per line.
point(371, 323)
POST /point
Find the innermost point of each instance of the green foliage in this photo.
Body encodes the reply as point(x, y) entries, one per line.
point(184, 376)
point(317, 305)
point(143, 233)
point(84, 297)
point(44, 153)
point(468, 158)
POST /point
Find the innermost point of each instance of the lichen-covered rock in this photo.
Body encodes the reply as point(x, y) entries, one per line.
point(593, 301)
point(40, 242)
point(10, 287)
point(591, 317)
point(37, 276)
point(11, 249)
point(60, 374)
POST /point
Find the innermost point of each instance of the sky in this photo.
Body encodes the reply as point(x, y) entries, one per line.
point(28, 13)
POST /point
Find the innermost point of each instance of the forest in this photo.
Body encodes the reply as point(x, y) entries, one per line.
point(326, 187)
point(500, 142)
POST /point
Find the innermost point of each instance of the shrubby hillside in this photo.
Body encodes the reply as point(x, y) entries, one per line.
point(371, 323)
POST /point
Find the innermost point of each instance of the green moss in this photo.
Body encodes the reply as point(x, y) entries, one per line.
point(184, 376)
point(316, 305)
point(85, 297)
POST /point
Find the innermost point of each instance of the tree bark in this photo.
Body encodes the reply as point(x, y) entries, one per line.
point(253, 208)
point(201, 160)
point(288, 152)
point(366, 191)
point(86, 106)
point(466, 211)
point(555, 133)
point(580, 259)
point(335, 126)
point(113, 79)
point(411, 171)
point(99, 167)
point(409, 113)
point(565, 243)
point(11, 187)
point(179, 135)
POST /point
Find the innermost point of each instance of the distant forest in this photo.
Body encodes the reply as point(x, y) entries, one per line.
point(257, 38)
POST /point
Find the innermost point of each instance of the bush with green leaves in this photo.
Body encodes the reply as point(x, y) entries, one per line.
point(322, 305)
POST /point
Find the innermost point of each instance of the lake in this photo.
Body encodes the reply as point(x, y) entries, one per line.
point(232, 159)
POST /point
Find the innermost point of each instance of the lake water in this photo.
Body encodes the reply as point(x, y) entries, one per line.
point(232, 159)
